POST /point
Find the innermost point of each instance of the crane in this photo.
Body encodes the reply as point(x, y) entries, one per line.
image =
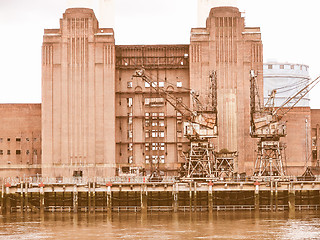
point(200, 126)
point(268, 126)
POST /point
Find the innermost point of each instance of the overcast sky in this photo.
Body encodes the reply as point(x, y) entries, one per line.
point(290, 33)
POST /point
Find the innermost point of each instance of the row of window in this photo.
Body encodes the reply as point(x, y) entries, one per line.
point(18, 152)
point(270, 66)
point(17, 139)
point(155, 159)
point(154, 84)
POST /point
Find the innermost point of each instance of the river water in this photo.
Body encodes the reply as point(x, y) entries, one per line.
point(219, 225)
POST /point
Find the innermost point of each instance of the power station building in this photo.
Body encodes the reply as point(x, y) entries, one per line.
point(97, 119)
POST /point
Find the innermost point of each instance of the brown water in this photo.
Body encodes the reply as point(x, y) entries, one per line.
point(222, 225)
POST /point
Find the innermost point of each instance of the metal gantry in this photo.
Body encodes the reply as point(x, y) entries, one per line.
point(267, 126)
point(200, 126)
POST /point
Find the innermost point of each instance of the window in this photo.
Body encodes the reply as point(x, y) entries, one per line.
point(1, 152)
point(154, 124)
point(269, 66)
point(154, 146)
point(147, 158)
point(147, 122)
point(34, 152)
point(18, 152)
point(130, 159)
point(161, 115)
point(147, 134)
point(179, 84)
point(130, 118)
point(161, 146)
point(161, 159)
point(179, 134)
point(161, 123)
point(129, 84)
point(8, 152)
point(1, 139)
point(147, 85)
point(129, 102)
point(129, 133)
point(18, 139)
point(161, 133)
point(154, 102)
point(281, 66)
point(147, 114)
point(27, 152)
point(146, 146)
point(161, 84)
point(154, 159)
point(8, 139)
point(130, 147)
point(154, 84)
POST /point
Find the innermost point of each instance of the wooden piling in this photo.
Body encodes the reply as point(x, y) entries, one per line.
point(75, 199)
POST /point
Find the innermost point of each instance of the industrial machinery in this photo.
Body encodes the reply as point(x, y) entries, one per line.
point(268, 126)
point(200, 126)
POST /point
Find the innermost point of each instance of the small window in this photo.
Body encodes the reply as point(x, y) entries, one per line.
point(146, 101)
point(130, 147)
point(27, 152)
point(147, 134)
point(129, 102)
point(129, 84)
point(18, 152)
point(147, 85)
point(161, 84)
point(269, 66)
point(161, 123)
point(1, 152)
point(34, 152)
point(161, 159)
point(18, 139)
point(8, 152)
point(8, 139)
point(147, 158)
point(130, 159)
point(179, 84)
point(281, 66)
point(154, 84)
point(129, 133)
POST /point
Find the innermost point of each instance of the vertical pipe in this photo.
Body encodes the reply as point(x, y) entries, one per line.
point(94, 197)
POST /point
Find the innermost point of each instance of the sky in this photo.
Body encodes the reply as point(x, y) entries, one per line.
point(289, 34)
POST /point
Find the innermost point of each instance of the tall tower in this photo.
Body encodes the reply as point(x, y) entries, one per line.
point(204, 7)
point(78, 97)
point(232, 50)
